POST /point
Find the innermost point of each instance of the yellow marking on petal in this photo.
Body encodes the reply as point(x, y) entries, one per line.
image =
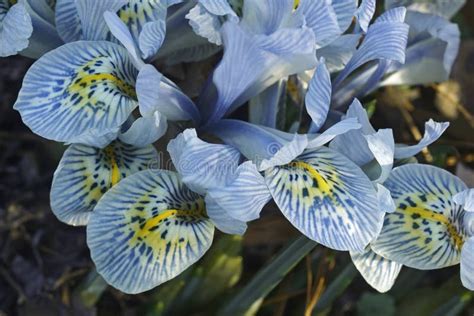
point(12, 2)
point(430, 215)
point(114, 169)
point(296, 4)
point(323, 185)
point(155, 221)
point(85, 80)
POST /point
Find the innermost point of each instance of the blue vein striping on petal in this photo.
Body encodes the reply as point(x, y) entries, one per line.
point(328, 198)
point(78, 88)
point(426, 230)
point(85, 173)
point(379, 272)
point(146, 230)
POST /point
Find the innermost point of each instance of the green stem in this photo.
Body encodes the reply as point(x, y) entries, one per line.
point(251, 296)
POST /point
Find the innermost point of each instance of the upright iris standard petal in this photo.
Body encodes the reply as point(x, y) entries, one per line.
point(328, 198)
point(433, 130)
point(85, 173)
point(339, 52)
point(267, 16)
point(345, 10)
point(67, 20)
point(318, 97)
point(364, 145)
point(79, 89)
point(379, 272)
point(91, 15)
point(365, 13)
point(386, 39)
point(202, 165)
point(433, 45)
point(146, 230)
point(321, 17)
point(145, 130)
point(244, 197)
point(222, 220)
point(467, 264)
point(121, 32)
point(265, 107)
point(146, 20)
point(15, 28)
point(426, 230)
point(279, 54)
point(206, 18)
point(382, 146)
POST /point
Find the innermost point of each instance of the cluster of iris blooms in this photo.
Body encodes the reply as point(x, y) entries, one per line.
point(339, 181)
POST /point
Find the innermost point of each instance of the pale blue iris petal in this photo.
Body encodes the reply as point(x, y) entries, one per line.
point(202, 165)
point(61, 98)
point(385, 39)
point(121, 32)
point(345, 10)
point(467, 264)
point(318, 97)
point(85, 173)
point(148, 92)
point(353, 144)
point(356, 110)
point(205, 24)
point(137, 14)
point(433, 131)
point(322, 19)
point(254, 142)
point(175, 104)
point(68, 22)
point(382, 146)
point(145, 130)
point(466, 199)
point(96, 137)
point(285, 154)
point(91, 15)
point(157, 93)
point(432, 49)
point(266, 16)
point(365, 13)
point(339, 128)
point(265, 107)
point(426, 230)
point(386, 203)
point(339, 52)
point(44, 37)
point(132, 243)
point(218, 7)
point(245, 196)
point(222, 220)
point(206, 18)
point(444, 8)
point(285, 52)
point(378, 272)
point(328, 198)
point(15, 30)
point(151, 38)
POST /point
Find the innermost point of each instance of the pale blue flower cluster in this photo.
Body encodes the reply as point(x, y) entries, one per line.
point(96, 88)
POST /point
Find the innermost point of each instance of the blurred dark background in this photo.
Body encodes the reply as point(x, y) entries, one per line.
point(45, 268)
